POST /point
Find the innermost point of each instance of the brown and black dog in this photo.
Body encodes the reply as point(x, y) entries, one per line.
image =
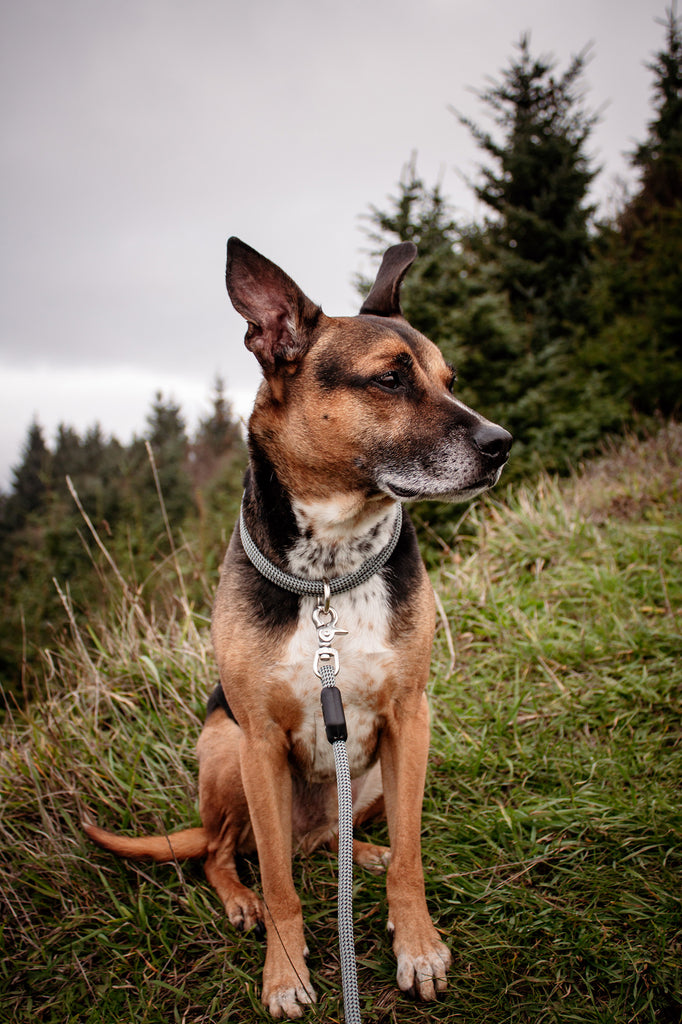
point(354, 415)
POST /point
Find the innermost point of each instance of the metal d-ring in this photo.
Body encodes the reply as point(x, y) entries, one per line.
point(326, 596)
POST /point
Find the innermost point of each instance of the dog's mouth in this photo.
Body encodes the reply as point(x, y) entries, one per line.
point(406, 493)
point(425, 493)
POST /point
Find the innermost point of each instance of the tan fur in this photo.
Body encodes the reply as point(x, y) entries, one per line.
point(339, 443)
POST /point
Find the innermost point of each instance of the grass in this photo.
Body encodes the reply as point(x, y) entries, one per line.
point(552, 823)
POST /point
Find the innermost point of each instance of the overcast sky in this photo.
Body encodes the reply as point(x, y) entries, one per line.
point(138, 135)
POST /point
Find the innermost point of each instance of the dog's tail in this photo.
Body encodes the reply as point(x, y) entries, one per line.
point(191, 843)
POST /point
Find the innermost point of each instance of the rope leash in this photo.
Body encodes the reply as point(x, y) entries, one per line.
point(349, 971)
point(326, 667)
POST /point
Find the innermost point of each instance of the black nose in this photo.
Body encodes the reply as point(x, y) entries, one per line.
point(493, 441)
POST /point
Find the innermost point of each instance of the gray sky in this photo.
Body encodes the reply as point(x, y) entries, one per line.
point(138, 135)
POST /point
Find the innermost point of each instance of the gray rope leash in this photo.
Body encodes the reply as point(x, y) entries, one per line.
point(326, 667)
point(349, 970)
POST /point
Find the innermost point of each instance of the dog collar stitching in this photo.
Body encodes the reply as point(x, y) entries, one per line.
point(317, 588)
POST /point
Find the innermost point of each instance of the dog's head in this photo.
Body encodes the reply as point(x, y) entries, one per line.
point(357, 405)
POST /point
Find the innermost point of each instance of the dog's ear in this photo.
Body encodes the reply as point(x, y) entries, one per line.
point(384, 297)
point(281, 318)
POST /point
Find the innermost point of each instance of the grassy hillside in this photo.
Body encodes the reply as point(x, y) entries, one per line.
point(553, 819)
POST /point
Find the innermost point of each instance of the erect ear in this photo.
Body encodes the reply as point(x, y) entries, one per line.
point(384, 297)
point(281, 318)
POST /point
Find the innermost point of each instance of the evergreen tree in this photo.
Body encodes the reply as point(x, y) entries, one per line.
point(217, 437)
point(639, 284)
point(29, 486)
point(536, 188)
point(43, 535)
point(23, 582)
point(67, 457)
point(217, 465)
point(165, 425)
point(167, 435)
point(435, 287)
point(659, 157)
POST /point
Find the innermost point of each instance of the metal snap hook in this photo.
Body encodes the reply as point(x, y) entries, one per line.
point(324, 618)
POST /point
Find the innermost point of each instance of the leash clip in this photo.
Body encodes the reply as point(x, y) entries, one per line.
point(325, 618)
point(324, 656)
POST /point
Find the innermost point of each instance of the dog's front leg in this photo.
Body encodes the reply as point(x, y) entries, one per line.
point(422, 958)
point(267, 783)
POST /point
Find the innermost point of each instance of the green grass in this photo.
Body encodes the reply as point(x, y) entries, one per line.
point(552, 823)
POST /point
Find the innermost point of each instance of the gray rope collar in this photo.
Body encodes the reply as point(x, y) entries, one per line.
point(324, 587)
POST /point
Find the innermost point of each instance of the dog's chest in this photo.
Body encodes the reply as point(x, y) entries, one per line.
point(366, 664)
point(366, 667)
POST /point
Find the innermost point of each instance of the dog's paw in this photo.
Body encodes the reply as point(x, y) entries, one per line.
point(286, 981)
point(245, 911)
point(422, 967)
point(372, 858)
point(289, 1002)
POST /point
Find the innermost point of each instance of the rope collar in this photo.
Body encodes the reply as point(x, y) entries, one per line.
point(324, 587)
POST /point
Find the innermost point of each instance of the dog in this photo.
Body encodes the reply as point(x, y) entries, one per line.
point(354, 416)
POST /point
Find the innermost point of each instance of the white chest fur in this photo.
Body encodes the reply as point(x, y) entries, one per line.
point(366, 659)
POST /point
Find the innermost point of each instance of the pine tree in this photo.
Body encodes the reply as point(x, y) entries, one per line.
point(217, 465)
point(659, 157)
point(167, 435)
point(435, 285)
point(216, 439)
point(67, 457)
point(640, 272)
point(30, 478)
point(537, 186)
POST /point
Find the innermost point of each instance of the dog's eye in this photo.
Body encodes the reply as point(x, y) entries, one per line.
point(390, 381)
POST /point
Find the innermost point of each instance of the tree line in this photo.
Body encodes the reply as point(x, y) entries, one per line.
point(564, 327)
point(51, 557)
